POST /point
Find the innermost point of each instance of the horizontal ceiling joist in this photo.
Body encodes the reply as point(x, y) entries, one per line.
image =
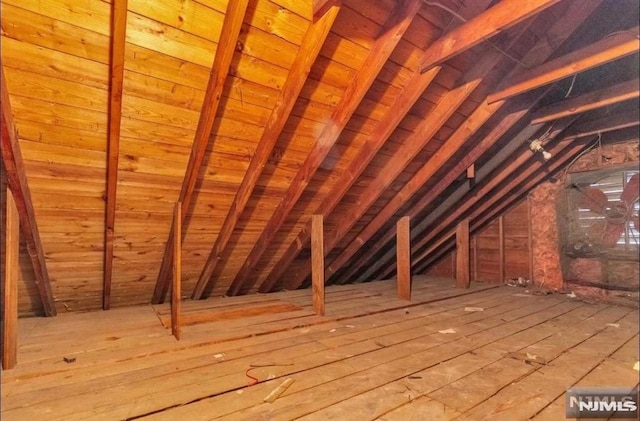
point(498, 18)
point(590, 101)
point(610, 48)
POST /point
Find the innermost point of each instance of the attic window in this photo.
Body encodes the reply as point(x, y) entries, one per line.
point(606, 207)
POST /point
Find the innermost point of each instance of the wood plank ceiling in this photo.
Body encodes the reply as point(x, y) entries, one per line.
point(257, 114)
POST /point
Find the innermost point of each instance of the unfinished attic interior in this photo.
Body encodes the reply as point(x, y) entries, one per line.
point(317, 209)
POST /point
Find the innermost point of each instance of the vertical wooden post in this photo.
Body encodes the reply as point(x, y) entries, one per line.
point(10, 290)
point(501, 249)
point(403, 258)
point(177, 271)
point(462, 254)
point(474, 245)
point(317, 263)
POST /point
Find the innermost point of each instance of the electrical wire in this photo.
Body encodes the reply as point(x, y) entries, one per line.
point(598, 142)
point(460, 17)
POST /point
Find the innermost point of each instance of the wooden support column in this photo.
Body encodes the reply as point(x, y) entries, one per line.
point(462, 254)
point(317, 263)
point(403, 256)
point(501, 249)
point(177, 272)
point(10, 278)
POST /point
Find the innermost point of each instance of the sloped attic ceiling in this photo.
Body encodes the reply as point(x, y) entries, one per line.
point(256, 114)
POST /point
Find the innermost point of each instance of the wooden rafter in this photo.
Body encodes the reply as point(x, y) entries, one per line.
point(509, 120)
point(17, 180)
point(421, 136)
point(322, 7)
point(118, 37)
point(608, 123)
point(572, 18)
point(610, 48)
point(381, 49)
point(226, 47)
point(523, 162)
point(590, 101)
point(563, 153)
point(503, 15)
point(307, 54)
point(418, 83)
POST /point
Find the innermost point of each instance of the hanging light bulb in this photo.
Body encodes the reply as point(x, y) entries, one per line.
point(536, 146)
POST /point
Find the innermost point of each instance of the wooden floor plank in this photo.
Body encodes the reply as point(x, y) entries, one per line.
point(357, 360)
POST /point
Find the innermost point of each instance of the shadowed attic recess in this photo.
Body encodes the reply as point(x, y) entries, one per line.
point(257, 114)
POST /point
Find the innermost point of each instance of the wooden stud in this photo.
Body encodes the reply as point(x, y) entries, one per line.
point(231, 26)
point(571, 20)
point(403, 258)
point(10, 280)
point(590, 101)
point(381, 49)
point(462, 255)
point(497, 19)
point(317, 263)
point(501, 259)
point(177, 273)
point(610, 48)
point(17, 180)
point(118, 37)
point(307, 54)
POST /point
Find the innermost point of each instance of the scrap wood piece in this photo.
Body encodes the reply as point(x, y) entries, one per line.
point(473, 309)
point(527, 357)
point(447, 331)
point(275, 393)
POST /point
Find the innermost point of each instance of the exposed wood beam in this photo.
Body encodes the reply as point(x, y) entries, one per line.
point(462, 254)
point(403, 258)
point(500, 17)
point(118, 37)
point(226, 47)
point(307, 54)
point(519, 110)
point(590, 101)
point(495, 204)
point(428, 257)
point(317, 262)
point(11, 247)
point(573, 17)
point(422, 135)
point(608, 49)
point(514, 172)
point(417, 84)
point(17, 180)
point(177, 274)
point(322, 7)
point(608, 123)
point(391, 33)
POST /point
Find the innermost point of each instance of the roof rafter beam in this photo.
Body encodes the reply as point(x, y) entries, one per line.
point(610, 48)
point(590, 101)
point(118, 37)
point(307, 54)
point(391, 33)
point(417, 84)
point(562, 157)
point(503, 15)
point(17, 181)
point(231, 26)
point(575, 14)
